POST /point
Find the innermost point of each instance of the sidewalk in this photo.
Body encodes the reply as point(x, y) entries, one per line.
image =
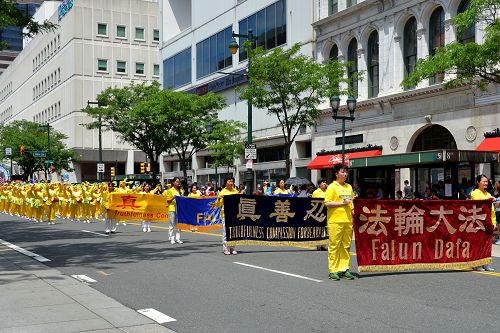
point(37, 298)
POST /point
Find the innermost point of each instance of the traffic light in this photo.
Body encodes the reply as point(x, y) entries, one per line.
point(148, 169)
point(21, 150)
point(143, 167)
point(113, 171)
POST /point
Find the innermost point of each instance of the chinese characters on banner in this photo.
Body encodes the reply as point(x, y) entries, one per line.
point(133, 206)
point(266, 220)
point(396, 235)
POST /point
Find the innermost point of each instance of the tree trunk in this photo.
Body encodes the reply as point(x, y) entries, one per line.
point(288, 161)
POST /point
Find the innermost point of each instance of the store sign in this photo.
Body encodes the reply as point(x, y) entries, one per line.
point(64, 8)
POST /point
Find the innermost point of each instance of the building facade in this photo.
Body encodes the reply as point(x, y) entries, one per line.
point(383, 40)
point(195, 38)
point(98, 44)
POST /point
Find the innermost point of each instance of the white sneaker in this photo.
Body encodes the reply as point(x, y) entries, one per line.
point(144, 229)
point(180, 242)
point(480, 269)
point(488, 268)
point(172, 241)
point(149, 229)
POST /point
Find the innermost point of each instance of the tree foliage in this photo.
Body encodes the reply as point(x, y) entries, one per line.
point(34, 138)
point(226, 142)
point(291, 86)
point(11, 15)
point(471, 63)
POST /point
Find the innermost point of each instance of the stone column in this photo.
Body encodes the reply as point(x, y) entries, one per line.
point(129, 166)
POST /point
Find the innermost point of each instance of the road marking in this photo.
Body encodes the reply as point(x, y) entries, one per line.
point(84, 278)
point(156, 315)
point(24, 251)
point(95, 233)
point(279, 272)
point(103, 273)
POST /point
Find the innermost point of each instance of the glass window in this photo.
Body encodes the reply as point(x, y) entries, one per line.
point(351, 3)
point(139, 68)
point(469, 34)
point(156, 70)
point(268, 26)
point(352, 69)
point(156, 35)
point(373, 65)
point(102, 65)
point(102, 29)
point(139, 33)
point(410, 46)
point(177, 69)
point(121, 31)
point(333, 6)
point(121, 67)
point(436, 38)
point(212, 54)
point(334, 53)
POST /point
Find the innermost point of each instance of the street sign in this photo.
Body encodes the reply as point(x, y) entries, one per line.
point(39, 153)
point(250, 151)
point(100, 167)
point(49, 161)
point(8, 151)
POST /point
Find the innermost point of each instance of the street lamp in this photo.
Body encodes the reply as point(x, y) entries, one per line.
point(351, 106)
point(89, 103)
point(209, 131)
point(233, 47)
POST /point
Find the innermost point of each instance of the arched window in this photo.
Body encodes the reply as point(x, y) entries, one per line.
point(352, 70)
point(469, 34)
point(334, 53)
point(373, 78)
point(436, 38)
point(410, 45)
point(434, 137)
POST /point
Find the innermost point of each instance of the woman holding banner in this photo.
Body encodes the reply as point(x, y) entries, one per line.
point(174, 234)
point(481, 193)
point(338, 200)
point(229, 189)
point(281, 188)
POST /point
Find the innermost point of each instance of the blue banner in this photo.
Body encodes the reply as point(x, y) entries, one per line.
point(199, 212)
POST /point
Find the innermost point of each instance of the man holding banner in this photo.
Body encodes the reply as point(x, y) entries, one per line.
point(338, 200)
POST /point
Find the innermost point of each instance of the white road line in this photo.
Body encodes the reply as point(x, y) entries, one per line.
point(24, 251)
point(95, 233)
point(84, 278)
point(279, 272)
point(156, 315)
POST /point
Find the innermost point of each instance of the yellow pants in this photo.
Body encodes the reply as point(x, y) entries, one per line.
point(339, 244)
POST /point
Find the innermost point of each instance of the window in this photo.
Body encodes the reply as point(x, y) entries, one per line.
point(268, 26)
point(139, 68)
point(436, 39)
point(139, 33)
point(121, 67)
point(156, 35)
point(121, 31)
point(156, 70)
point(333, 6)
point(102, 29)
point(373, 79)
point(410, 46)
point(177, 69)
point(352, 69)
point(213, 54)
point(334, 53)
point(350, 3)
point(469, 34)
point(102, 65)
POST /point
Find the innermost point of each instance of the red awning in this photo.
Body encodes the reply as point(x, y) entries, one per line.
point(328, 161)
point(490, 144)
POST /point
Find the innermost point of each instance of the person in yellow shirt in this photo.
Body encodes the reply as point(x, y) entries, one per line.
point(281, 188)
point(338, 200)
point(320, 193)
point(110, 222)
point(229, 189)
point(481, 193)
point(174, 234)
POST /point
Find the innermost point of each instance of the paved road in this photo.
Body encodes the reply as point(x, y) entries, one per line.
point(206, 291)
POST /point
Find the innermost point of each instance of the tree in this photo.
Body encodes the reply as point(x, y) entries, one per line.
point(472, 64)
point(11, 15)
point(133, 114)
point(226, 142)
point(24, 133)
point(291, 86)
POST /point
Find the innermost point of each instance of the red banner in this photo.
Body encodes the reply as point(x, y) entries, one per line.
point(398, 235)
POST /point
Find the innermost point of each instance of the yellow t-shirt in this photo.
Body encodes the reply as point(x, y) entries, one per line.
point(220, 199)
point(280, 191)
point(170, 194)
point(318, 193)
point(336, 192)
point(477, 194)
